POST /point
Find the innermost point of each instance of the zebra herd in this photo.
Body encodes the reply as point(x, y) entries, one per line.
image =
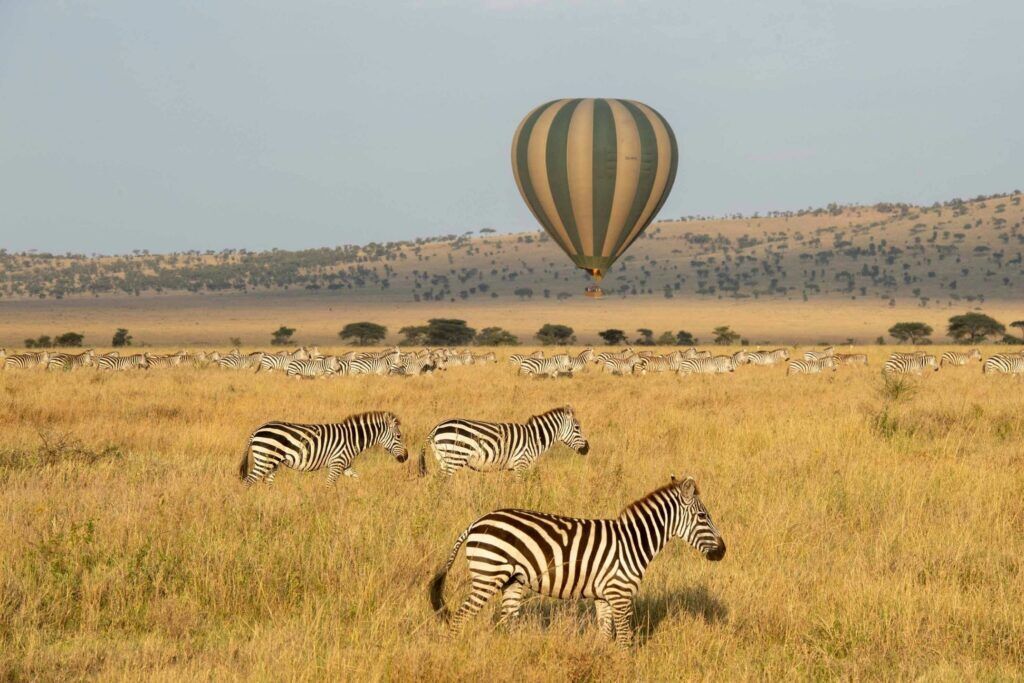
point(301, 363)
point(509, 550)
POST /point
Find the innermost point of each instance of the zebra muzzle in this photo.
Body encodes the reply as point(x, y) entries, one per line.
point(584, 449)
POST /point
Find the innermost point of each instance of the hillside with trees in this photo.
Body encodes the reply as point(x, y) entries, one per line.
point(950, 254)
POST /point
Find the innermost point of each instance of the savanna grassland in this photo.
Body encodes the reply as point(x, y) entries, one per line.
point(872, 532)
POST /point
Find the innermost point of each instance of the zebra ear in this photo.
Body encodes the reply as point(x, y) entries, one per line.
point(689, 487)
point(568, 408)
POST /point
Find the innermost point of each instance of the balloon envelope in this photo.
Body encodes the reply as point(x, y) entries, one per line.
point(594, 172)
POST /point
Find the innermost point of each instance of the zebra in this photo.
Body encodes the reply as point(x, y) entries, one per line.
point(490, 446)
point(488, 357)
point(544, 367)
point(1004, 363)
point(811, 367)
point(26, 361)
point(517, 358)
point(374, 364)
point(959, 358)
point(665, 363)
point(768, 357)
point(620, 366)
point(740, 358)
point(570, 558)
point(171, 361)
point(236, 361)
point(902, 364)
point(309, 368)
point(138, 360)
point(70, 361)
point(577, 363)
point(828, 352)
point(412, 365)
point(857, 359)
point(706, 366)
point(309, 447)
point(280, 361)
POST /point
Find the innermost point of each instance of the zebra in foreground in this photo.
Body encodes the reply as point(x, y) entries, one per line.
point(768, 357)
point(70, 361)
point(490, 446)
point(309, 447)
point(958, 358)
point(811, 367)
point(137, 360)
point(904, 364)
point(25, 361)
point(570, 558)
point(1005, 364)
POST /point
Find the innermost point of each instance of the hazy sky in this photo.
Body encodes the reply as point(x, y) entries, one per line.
point(168, 125)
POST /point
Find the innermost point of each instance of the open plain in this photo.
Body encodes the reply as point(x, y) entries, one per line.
point(872, 532)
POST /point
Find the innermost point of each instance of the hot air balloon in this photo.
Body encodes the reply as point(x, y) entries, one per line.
point(594, 172)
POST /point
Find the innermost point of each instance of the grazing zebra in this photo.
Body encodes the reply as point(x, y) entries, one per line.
point(811, 367)
point(767, 357)
point(1005, 364)
point(308, 447)
point(138, 360)
point(706, 366)
point(855, 359)
point(828, 352)
point(571, 558)
point(309, 368)
point(489, 446)
point(903, 364)
point(413, 365)
point(70, 361)
point(958, 358)
point(25, 361)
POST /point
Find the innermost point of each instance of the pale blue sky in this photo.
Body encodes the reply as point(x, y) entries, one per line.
point(163, 125)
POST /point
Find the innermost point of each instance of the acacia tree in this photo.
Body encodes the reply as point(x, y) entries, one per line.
point(724, 336)
point(974, 328)
point(283, 336)
point(121, 338)
point(613, 337)
point(552, 334)
point(646, 337)
point(912, 333)
point(684, 338)
point(496, 336)
point(448, 332)
point(364, 333)
point(1019, 324)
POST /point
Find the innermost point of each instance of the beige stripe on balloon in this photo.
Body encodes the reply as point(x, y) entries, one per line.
point(664, 145)
point(537, 164)
point(627, 173)
point(579, 163)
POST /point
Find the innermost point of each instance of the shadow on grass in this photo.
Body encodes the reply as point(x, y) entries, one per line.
point(649, 611)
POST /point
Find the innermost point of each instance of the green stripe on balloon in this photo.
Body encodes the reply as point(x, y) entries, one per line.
point(605, 150)
point(558, 171)
point(648, 171)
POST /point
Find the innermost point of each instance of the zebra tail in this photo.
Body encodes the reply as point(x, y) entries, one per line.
point(423, 461)
point(437, 583)
point(244, 466)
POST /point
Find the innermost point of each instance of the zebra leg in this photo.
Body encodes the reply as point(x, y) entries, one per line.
point(622, 613)
point(511, 601)
point(334, 471)
point(484, 588)
point(269, 478)
point(604, 618)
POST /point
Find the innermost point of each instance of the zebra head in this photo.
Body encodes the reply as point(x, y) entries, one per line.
point(974, 354)
point(570, 433)
point(391, 437)
point(929, 362)
point(694, 524)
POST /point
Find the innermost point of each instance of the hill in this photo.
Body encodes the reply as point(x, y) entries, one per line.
point(833, 272)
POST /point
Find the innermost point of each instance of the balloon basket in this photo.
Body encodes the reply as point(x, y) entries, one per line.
point(594, 292)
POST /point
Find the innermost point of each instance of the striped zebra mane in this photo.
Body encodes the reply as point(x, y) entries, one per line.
point(566, 410)
point(675, 484)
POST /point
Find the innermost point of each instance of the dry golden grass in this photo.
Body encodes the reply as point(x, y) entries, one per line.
point(868, 537)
